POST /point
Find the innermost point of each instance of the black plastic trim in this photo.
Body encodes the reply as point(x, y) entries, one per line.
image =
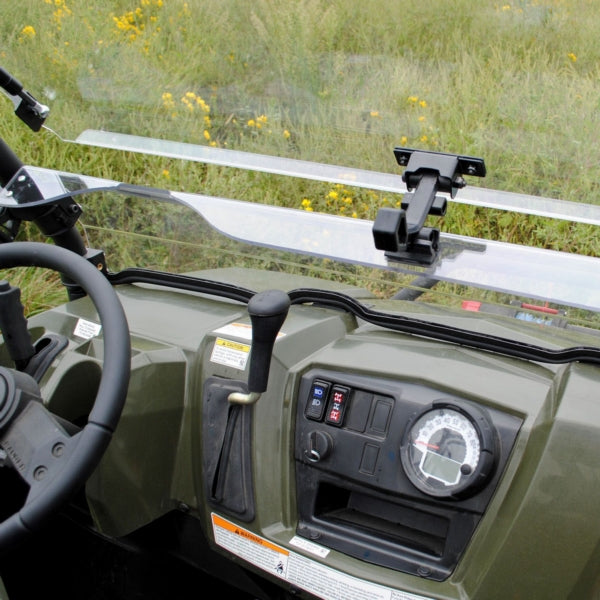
point(438, 331)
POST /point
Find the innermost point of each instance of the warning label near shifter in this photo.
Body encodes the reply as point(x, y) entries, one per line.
point(299, 570)
point(232, 354)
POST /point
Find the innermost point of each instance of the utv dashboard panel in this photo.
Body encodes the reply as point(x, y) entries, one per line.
point(358, 492)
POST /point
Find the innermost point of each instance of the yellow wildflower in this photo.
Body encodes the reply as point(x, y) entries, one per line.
point(185, 100)
point(167, 99)
point(572, 57)
point(200, 102)
point(28, 31)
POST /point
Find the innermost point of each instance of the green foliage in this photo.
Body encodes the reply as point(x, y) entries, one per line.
point(40, 289)
point(337, 81)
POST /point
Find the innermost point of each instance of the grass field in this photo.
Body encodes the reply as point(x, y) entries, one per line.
point(514, 83)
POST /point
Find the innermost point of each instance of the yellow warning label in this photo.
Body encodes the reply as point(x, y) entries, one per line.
point(230, 353)
point(233, 345)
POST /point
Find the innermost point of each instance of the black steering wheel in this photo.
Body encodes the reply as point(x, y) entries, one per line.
point(54, 463)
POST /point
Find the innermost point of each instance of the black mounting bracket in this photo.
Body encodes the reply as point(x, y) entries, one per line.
point(27, 108)
point(400, 232)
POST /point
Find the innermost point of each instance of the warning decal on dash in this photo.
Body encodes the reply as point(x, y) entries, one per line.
point(86, 329)
point(230, 353)
point(298, 570)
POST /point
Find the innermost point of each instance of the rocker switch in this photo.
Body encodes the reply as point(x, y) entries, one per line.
point(317, 400)
point(338, 402)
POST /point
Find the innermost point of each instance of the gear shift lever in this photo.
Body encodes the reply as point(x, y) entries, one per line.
point(267, 311)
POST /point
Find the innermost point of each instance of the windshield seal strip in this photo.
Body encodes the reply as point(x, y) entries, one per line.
point(338, 300)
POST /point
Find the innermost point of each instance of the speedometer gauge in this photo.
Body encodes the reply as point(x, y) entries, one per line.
point(448, 450)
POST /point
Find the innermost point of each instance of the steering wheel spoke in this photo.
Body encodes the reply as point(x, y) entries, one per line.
point(55, 460)
point(37, 446)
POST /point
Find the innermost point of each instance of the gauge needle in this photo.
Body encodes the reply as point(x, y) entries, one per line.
point(428, 445)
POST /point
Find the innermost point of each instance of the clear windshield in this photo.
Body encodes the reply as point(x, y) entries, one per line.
point(338, 82)
point(315, 96)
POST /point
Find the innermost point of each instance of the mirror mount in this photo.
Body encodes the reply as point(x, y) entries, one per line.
point(401, 232)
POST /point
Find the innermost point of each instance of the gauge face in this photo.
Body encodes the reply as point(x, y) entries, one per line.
point(444, 452)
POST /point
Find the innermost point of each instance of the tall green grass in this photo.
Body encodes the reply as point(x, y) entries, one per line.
point(337, 81)
point(515, 83)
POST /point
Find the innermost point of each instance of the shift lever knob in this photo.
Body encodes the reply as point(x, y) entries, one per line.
point(267, 311)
